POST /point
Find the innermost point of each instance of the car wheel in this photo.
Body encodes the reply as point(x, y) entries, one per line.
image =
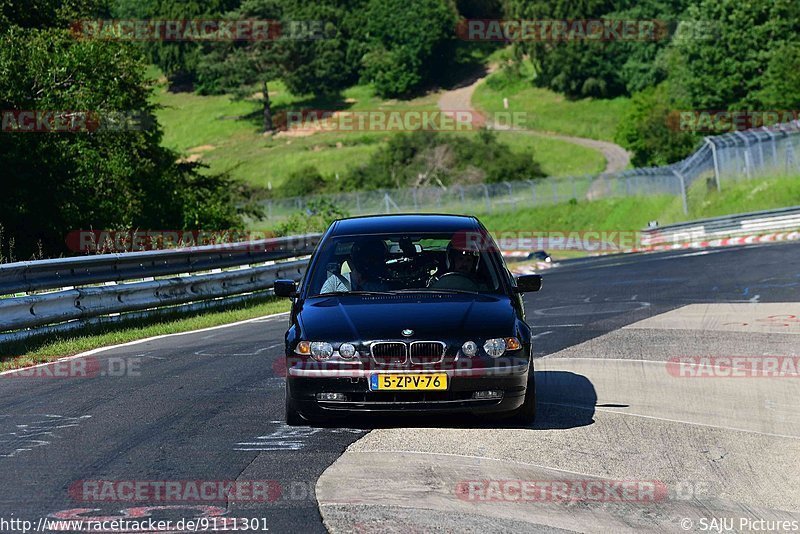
point(293, 417)
point(526, 414)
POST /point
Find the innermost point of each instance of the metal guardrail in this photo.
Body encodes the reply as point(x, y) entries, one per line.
point(30, 276)
point(744, 224)
point(75, 302)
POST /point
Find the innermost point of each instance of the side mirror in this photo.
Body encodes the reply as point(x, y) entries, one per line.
point(529, 282)
point(285, 288)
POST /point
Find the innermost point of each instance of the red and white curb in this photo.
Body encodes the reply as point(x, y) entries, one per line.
point(724, 242)
point(753, 239)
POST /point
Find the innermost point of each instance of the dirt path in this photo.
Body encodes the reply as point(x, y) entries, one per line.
point(460, 99)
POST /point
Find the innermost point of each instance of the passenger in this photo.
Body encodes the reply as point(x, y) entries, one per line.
point(367, 266)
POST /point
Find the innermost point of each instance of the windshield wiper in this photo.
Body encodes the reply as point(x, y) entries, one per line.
point(436, 290)
point(359, 292)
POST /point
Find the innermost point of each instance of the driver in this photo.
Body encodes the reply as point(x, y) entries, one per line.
point(462, 260)
point(367, 266)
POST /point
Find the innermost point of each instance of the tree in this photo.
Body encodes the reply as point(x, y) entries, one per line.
point(236, 66)
point(178, 60)
point(408, 43)
point(107, 179)
point(726, 70)
point(781, 82)
point(597, 68)
point(649, 131)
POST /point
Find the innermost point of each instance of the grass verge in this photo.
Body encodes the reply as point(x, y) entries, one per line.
point(633, 213)
point(549, 111)
point(49, 348)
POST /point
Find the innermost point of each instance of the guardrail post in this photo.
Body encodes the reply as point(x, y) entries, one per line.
point(682, 183)
point(713, 146)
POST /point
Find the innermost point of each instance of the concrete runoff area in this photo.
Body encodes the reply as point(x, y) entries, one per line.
point(716, 445)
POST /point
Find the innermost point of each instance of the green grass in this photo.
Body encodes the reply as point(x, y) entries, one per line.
point(49, 348)
point(225, 134)
point(630, 213)
point(558, 158)
point(633, 213)
point(548, 111)
point(742, 197)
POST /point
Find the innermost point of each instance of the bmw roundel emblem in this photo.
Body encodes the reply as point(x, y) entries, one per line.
point(408, 332)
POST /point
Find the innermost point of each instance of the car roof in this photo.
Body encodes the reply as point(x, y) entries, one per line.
point(404, 223)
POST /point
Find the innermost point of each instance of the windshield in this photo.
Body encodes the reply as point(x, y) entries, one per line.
point(443, 262)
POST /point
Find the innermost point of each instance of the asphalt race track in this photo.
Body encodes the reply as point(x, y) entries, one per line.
point(207, 406)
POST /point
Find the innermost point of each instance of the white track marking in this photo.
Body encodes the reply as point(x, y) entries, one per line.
point(264, 318)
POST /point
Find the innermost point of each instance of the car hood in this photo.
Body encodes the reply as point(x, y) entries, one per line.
point(438, 316)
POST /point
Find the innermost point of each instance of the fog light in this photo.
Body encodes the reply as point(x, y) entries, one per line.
point(485, 395)
point(469, 348)
point(347, 350)
point(331, 397)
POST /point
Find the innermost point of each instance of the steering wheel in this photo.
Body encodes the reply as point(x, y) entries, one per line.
point(455, 280)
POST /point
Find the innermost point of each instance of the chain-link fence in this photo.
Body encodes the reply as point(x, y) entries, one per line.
point(746, 155)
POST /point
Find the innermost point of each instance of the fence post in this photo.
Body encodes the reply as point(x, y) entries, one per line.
point(683, 191)
point(533, 191)
point(414, 194)
point(486, 195)
point(774, 143)
point(555, 191)
point(747, 157)
point(713, 146)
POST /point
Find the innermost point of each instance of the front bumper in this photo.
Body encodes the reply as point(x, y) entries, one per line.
point(304, 384)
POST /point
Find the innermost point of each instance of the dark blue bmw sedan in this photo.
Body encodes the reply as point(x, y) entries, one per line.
point(408, 313)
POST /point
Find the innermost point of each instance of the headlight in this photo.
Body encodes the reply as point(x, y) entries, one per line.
point(495, 347)
point(321, 350)
point(347, 351)
point(470, 348)
point(498, 346)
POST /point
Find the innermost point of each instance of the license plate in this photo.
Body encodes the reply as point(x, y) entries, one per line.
point(408, 382)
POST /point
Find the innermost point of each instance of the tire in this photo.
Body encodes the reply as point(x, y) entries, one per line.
point(293, 417)
point(526, 414)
